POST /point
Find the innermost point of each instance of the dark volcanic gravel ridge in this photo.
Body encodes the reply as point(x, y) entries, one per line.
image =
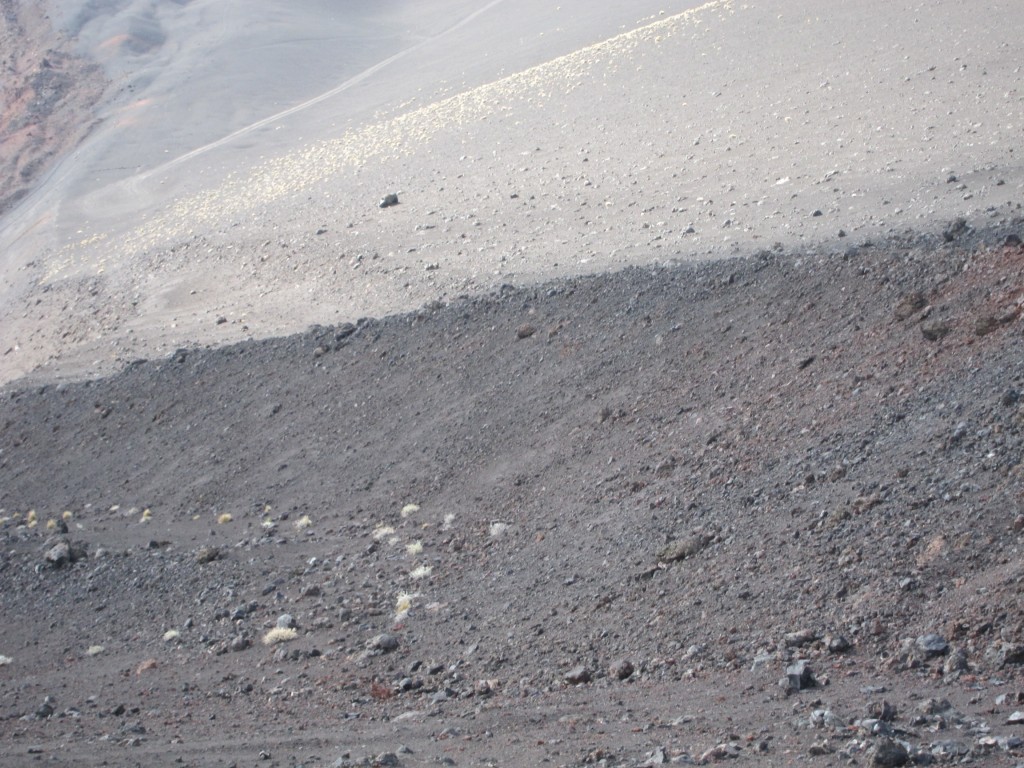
point(686, 477)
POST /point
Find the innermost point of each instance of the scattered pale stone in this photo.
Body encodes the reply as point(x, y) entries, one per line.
point(910, 305)
point(622, 669)
point(934, 706)
point(800, 638)
point(207, 555)
point(956, 662)
point(721, 752)
point(680, 550)
point(882, 710)
point(826, 718)
point(382, 643)
point(578, 675)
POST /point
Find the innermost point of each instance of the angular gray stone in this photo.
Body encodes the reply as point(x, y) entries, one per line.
point(837, 644)
point(47, 708)
point(889, 753)
point(948, 749)
point(798, 676)
point(58, 552)
point(932, 644)
point(1004, 654)
point(657, 757)
point(935, 330)
point(826, 718)
point(286, 621)
point(872, 726)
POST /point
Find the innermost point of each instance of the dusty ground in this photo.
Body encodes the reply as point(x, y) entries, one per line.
point(525, 141)
point(704, 471)
point(530, 515)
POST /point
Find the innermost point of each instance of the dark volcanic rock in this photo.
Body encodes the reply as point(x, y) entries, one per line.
point(889, 754)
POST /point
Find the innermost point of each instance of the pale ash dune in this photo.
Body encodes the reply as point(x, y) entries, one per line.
point(695, 133)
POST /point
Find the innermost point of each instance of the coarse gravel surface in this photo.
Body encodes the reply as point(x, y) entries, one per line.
point(591, 522)
point(670, 412)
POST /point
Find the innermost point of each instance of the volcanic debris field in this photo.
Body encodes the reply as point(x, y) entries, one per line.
point(767, 509)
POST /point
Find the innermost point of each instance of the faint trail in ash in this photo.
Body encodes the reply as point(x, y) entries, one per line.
point(279, 177)
point(352, 81)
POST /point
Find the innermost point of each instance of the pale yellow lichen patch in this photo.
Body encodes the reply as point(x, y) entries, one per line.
point(403, 604)
point(420, 572)
point(279, 635)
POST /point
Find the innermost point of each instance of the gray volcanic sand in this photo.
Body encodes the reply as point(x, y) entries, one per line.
point(543, 517)
point(525, 140)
